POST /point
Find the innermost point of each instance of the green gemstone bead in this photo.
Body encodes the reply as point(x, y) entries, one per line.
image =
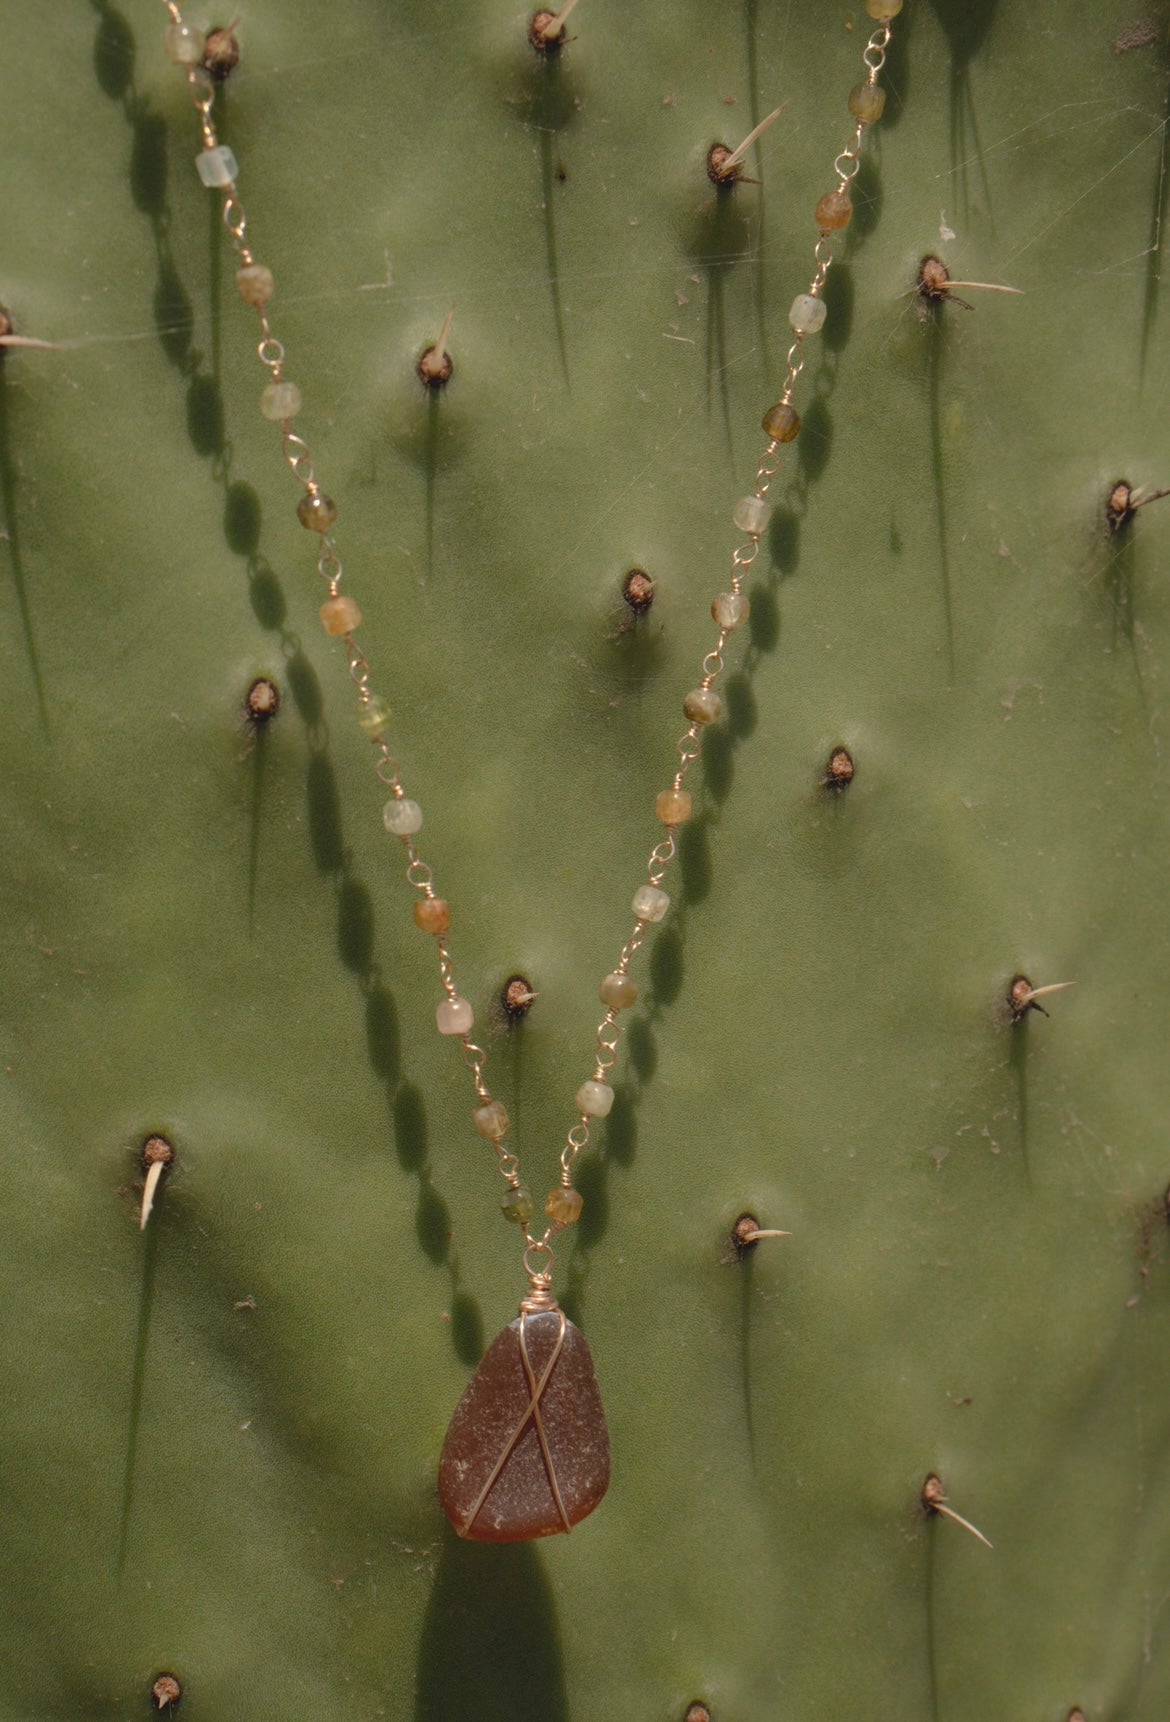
point(316, 511)
point(867, 102)
point(517, 1205)
point(374, 717)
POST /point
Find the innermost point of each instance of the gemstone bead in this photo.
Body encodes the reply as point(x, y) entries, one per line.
point(280, 401)
point(834, 211)
point(184, 44)
point(454, 1016)
point(517, 1205)
point(256, 284)
point(782, 422)
point(807, 314)
point(564, 1206)
point(618, 991)
point(883, 10)
point(595, 1099)
point(731, 610)
point(867, 102)
point(751, 515)
point(374, 717)
point(402, 817)
point(703, 705)
point(432, 914)
point(217, 167)
point(673, 806)
point(491, 1120)
point(503, 1479)
point(340, 615)
point(316, 511)
point(650, 904)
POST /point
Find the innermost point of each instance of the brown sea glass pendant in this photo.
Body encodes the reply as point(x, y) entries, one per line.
point(527, 1453)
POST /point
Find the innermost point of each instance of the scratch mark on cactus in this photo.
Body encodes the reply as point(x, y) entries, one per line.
point(138, 1381)
point(934, 361)
point(1101, 180)
point(10, 533)
point(1157, 227)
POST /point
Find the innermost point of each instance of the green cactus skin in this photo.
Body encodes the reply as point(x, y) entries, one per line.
point(219, 1437)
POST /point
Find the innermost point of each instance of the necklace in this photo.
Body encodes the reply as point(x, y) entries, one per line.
point(527, 1453)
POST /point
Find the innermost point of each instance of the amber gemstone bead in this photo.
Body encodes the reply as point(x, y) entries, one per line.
point(673, 806)
point(782, 422)
point(834, 211)
point(316, 511)
point(564, 1206)
point(340, 615)
point(503, 1479)
point(867, 102)
point(883, 10)
point(432, 914)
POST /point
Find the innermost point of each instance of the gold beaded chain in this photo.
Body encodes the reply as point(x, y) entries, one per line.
point(280, 402)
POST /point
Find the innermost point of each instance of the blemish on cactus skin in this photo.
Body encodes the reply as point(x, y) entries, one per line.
point(263, 701)
point(1076, 1715)
point(638, 591)
point(517, 998)
point(166, 1692)
point(221, 52)
point(840, 770)
point(697, 1713)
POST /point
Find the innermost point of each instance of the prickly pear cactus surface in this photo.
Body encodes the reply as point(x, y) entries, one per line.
point(219, 1435)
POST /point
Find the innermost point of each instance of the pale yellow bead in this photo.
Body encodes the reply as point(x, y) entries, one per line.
point(340, 615)
point(883, 10)
point(564, 1206)
point(673, 806)
point(255, 284)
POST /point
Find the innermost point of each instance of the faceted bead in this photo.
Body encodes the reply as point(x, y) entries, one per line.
point(650, 904)
point(374, 717)
point(751, 515)
point(280, 401)
point(402, 817)
point(807, 314)
point(673, 806)
point(184, 44)
point(883, 10)
point(217, 167)
point(316, 511)
point(731, 610)
point(491, 1120)
point(703, 705)
point(782, 422)
point(517, 1205)
point(502, 1477)
point(595, 1099)
point(454, 1016)
point(834, 211)
point(867, 102)
point(340, 615)
point(618, 992)
point(432, 914)
point(255, 284)
point(564, 1206)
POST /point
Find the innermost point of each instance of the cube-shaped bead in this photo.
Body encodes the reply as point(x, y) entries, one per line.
point(340, 615)
point(731, 610)
point(650, 904)
point(454, 1016)
point(217, 167)
point(280, 401)
point(402, 817)
point(751, 515)
point(595, 1099)
point(564, 1205)
point(491, 1120)
point(807, 314)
